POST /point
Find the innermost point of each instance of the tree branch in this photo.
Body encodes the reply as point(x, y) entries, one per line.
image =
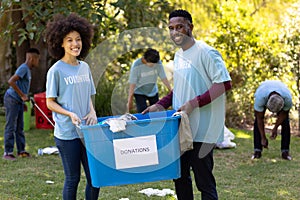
point(263, 4)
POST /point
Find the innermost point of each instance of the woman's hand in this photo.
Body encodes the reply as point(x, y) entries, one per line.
point(91, 118)
point(75, 119)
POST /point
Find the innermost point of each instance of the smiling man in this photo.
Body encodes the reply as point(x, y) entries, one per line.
point(200, 82)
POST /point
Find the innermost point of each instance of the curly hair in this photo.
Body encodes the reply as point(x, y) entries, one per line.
point(181, 13)
point(60, 26)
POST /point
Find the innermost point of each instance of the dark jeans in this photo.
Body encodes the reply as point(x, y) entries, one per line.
point(141, 101)
point(202, 167)
point(14, 125)
point(285, 136)
point(73, 153)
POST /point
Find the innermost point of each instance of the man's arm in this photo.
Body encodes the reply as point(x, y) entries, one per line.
point(167, 84)
point(12, 82)
point(166, 101)
point(260, 117)
point(130, 97)
point(216, 90)
point(162, 104)
point(281, 116)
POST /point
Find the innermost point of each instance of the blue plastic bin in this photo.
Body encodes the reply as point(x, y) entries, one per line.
point(100, 150)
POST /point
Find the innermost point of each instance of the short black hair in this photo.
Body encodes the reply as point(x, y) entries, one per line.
point(181, 13)
point(151, 55)
point(33, 50)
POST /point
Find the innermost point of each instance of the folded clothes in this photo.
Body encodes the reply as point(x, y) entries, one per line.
point(117, 124)
point(128, 117)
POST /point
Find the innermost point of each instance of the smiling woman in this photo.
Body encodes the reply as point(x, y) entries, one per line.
point(69, 88)
point(56, 33)
point(72, 45)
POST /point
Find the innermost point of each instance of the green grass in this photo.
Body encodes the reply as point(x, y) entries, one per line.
point(238, 177)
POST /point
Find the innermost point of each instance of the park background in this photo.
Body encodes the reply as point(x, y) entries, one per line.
point(258, 40)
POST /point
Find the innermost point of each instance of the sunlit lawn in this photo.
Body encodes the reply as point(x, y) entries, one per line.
point(238, 177)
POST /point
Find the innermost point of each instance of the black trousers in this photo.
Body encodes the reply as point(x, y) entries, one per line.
point(141, 101)
point(285, 136)
point(200, 160)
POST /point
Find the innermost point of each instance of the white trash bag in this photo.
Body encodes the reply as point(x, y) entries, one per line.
point(226, 144)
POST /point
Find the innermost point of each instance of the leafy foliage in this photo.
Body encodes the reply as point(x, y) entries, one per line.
point(258, 39)
point(252, 53)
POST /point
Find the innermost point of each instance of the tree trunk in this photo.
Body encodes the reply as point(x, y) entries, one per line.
point(38, 75)
point(17, 18)
point(38, 81)
point(5, 51)
point(298, 87)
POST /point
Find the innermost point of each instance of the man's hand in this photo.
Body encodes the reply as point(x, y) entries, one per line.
point(153, 108)
point(264, 143)
point(24, 98)
point(187, 108)
point(281, 116)
point(274, 134)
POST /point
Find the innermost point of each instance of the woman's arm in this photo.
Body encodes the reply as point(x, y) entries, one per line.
point(55, 107)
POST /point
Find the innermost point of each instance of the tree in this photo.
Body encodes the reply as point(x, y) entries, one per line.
point(290, 38)
point(108, 17)
point(5, 53)
point(252, 51)
point(258, 40)
point(28, 22)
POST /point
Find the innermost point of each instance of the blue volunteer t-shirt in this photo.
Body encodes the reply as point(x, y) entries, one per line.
point(145, 77)
point(23, 83)
point(266, 88)
point(72, 86)
point(195, 70)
